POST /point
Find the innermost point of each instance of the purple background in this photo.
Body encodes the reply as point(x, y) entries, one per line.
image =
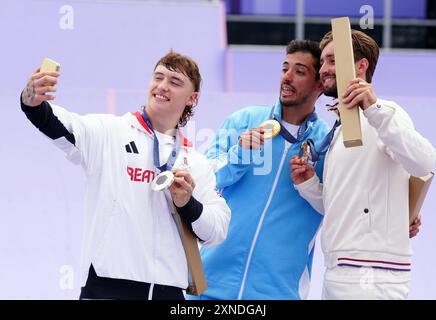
point(322, 8)
point(107, 60)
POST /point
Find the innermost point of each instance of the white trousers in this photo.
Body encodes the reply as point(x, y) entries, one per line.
point(365, 283)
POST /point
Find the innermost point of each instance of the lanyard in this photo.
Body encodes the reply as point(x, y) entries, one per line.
point(301, 130)
point(173, 155)
point(167, 166)
point(325, 144)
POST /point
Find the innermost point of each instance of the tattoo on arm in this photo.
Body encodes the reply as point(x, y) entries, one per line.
point(29, 93)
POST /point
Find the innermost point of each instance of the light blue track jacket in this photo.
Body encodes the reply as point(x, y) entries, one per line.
point(269, 248)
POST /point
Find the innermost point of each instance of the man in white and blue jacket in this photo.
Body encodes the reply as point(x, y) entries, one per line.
point(269, 249)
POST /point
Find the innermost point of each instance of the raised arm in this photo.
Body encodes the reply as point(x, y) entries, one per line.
point(80, 137)
point(396, 133)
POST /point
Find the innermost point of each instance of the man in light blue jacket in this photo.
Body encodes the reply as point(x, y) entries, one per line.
point(269, 249)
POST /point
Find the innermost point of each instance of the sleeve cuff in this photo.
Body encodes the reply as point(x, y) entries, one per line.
point(308, 184)
point(377, 112)
point(191, 211)
point(372, 109)
point(25, 108)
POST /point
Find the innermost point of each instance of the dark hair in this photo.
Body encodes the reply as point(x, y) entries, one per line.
point(179, 63)
point(308, 46)
point(363, 47)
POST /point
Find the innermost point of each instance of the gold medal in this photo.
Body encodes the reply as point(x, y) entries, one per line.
point(271, 127)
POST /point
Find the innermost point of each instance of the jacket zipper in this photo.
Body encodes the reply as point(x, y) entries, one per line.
point(259, 225)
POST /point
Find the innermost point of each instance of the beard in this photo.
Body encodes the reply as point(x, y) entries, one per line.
point(294, 103)
point(288, 104)
point(331, 92)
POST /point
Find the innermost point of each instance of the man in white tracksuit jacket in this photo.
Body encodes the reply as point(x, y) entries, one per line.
point(364, 195)
point(132, 248)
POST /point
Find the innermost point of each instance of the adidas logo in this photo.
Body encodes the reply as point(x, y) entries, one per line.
point(131, 147)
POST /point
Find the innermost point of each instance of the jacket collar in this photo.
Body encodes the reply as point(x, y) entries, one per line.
point(138, 122)
point(304, 129)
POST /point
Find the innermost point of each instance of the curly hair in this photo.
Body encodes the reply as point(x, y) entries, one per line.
point(179, 63)
point(308, 46)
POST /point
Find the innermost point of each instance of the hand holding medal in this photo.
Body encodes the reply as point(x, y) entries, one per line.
point(256, 137)
point(271, 128)
point(182, 187)
point(168, 174)
point(302, 166)
point(165, 179)
point(305, 154)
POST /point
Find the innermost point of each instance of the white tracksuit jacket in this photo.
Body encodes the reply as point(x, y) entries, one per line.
point(365, 190)
point(129, 232)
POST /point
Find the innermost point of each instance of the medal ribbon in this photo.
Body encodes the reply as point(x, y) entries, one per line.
point(301, 130)
point(173, 155)
point(325, 144)
point(167, 166)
